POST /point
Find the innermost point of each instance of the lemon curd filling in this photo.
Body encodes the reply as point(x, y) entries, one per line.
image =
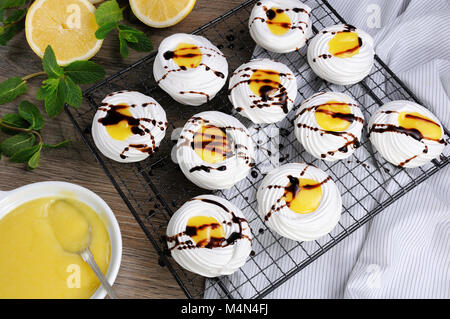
point(212, 144)
point(119, 127)
point(204, 230)
point(345, 45)
point(34, 263)
point(331, 116)
point(265, 82)
point(303, 196)
point(426, 126)
point(278, 21)
point(187, 56)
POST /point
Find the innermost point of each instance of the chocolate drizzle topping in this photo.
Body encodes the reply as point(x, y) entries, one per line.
point(347, 28)
point(238, 150)
point(114, 117)
point(351, 141)
point(207, 169)
point(272, 13)
point(349, 117)
point(194, 92)
point(413, 133)
point(265, 98)
point(213, 242)
point(293, 188)
point(351, 50)
point(168, 55)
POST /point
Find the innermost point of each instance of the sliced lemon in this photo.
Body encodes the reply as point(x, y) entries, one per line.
point(68, 26)
point(161, 13)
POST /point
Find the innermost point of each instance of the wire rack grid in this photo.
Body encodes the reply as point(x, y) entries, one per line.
point(155, 188)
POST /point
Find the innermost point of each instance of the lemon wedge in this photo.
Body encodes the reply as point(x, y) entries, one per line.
point(68, 26)
point(161, 13)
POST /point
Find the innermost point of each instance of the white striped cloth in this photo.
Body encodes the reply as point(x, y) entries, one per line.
point(405, 251)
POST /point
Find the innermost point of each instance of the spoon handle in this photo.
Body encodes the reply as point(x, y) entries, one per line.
point(89, 259)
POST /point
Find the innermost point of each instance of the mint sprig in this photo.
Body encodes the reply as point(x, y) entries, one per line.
point(108, 16)
point(61, 86)
point(12, 19)
point(26, 143)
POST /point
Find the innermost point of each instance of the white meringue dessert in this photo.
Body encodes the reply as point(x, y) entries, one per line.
point(209, 236)
point(280, 26)
point(129, 126)
point(406, 134)
point(329, 125)
point(190, 68)
point(299, 202)
point(263, 91)
point(215, 151)
point(341, 54)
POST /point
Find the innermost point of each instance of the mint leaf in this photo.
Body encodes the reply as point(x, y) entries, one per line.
point(129, 36)
point(143, 43)
point(54, 103)
point(74, 96)
point(83, 72)
point(33, 162)
point(29, 112)
point(5, 4)
point(50, 64)
point(17, 143)
point(104, 30)
point(48, 87)
point(24, 155)
point(9, 31)
point(57, 145)
point(11, 89)
point(15, 16)
point(108, 11)
point(123, 46)
point(14, 120)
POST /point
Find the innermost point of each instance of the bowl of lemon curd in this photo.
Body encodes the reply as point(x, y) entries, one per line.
point(38, 260)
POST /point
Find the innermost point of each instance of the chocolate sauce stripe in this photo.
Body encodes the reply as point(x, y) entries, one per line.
point(292, 188)
point(413, 133)
point(351, 50)
point(315, 107)
point(286, 25)
point(350, 139)
point(200, 93)
point(265, 93)
point(214, 242)
point(114, 117)
point(207, 169)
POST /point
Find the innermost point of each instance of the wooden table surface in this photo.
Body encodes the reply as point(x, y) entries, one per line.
point(140, 276)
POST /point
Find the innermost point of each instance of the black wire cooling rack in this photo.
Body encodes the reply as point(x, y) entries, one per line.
point(154, 189)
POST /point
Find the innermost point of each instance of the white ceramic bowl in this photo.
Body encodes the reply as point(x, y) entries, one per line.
point(12, 199)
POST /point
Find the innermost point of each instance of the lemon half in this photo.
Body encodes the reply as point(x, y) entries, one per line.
point(161, 13)
point(68, 26)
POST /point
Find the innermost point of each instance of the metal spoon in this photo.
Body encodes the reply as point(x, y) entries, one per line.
point(88, 258)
